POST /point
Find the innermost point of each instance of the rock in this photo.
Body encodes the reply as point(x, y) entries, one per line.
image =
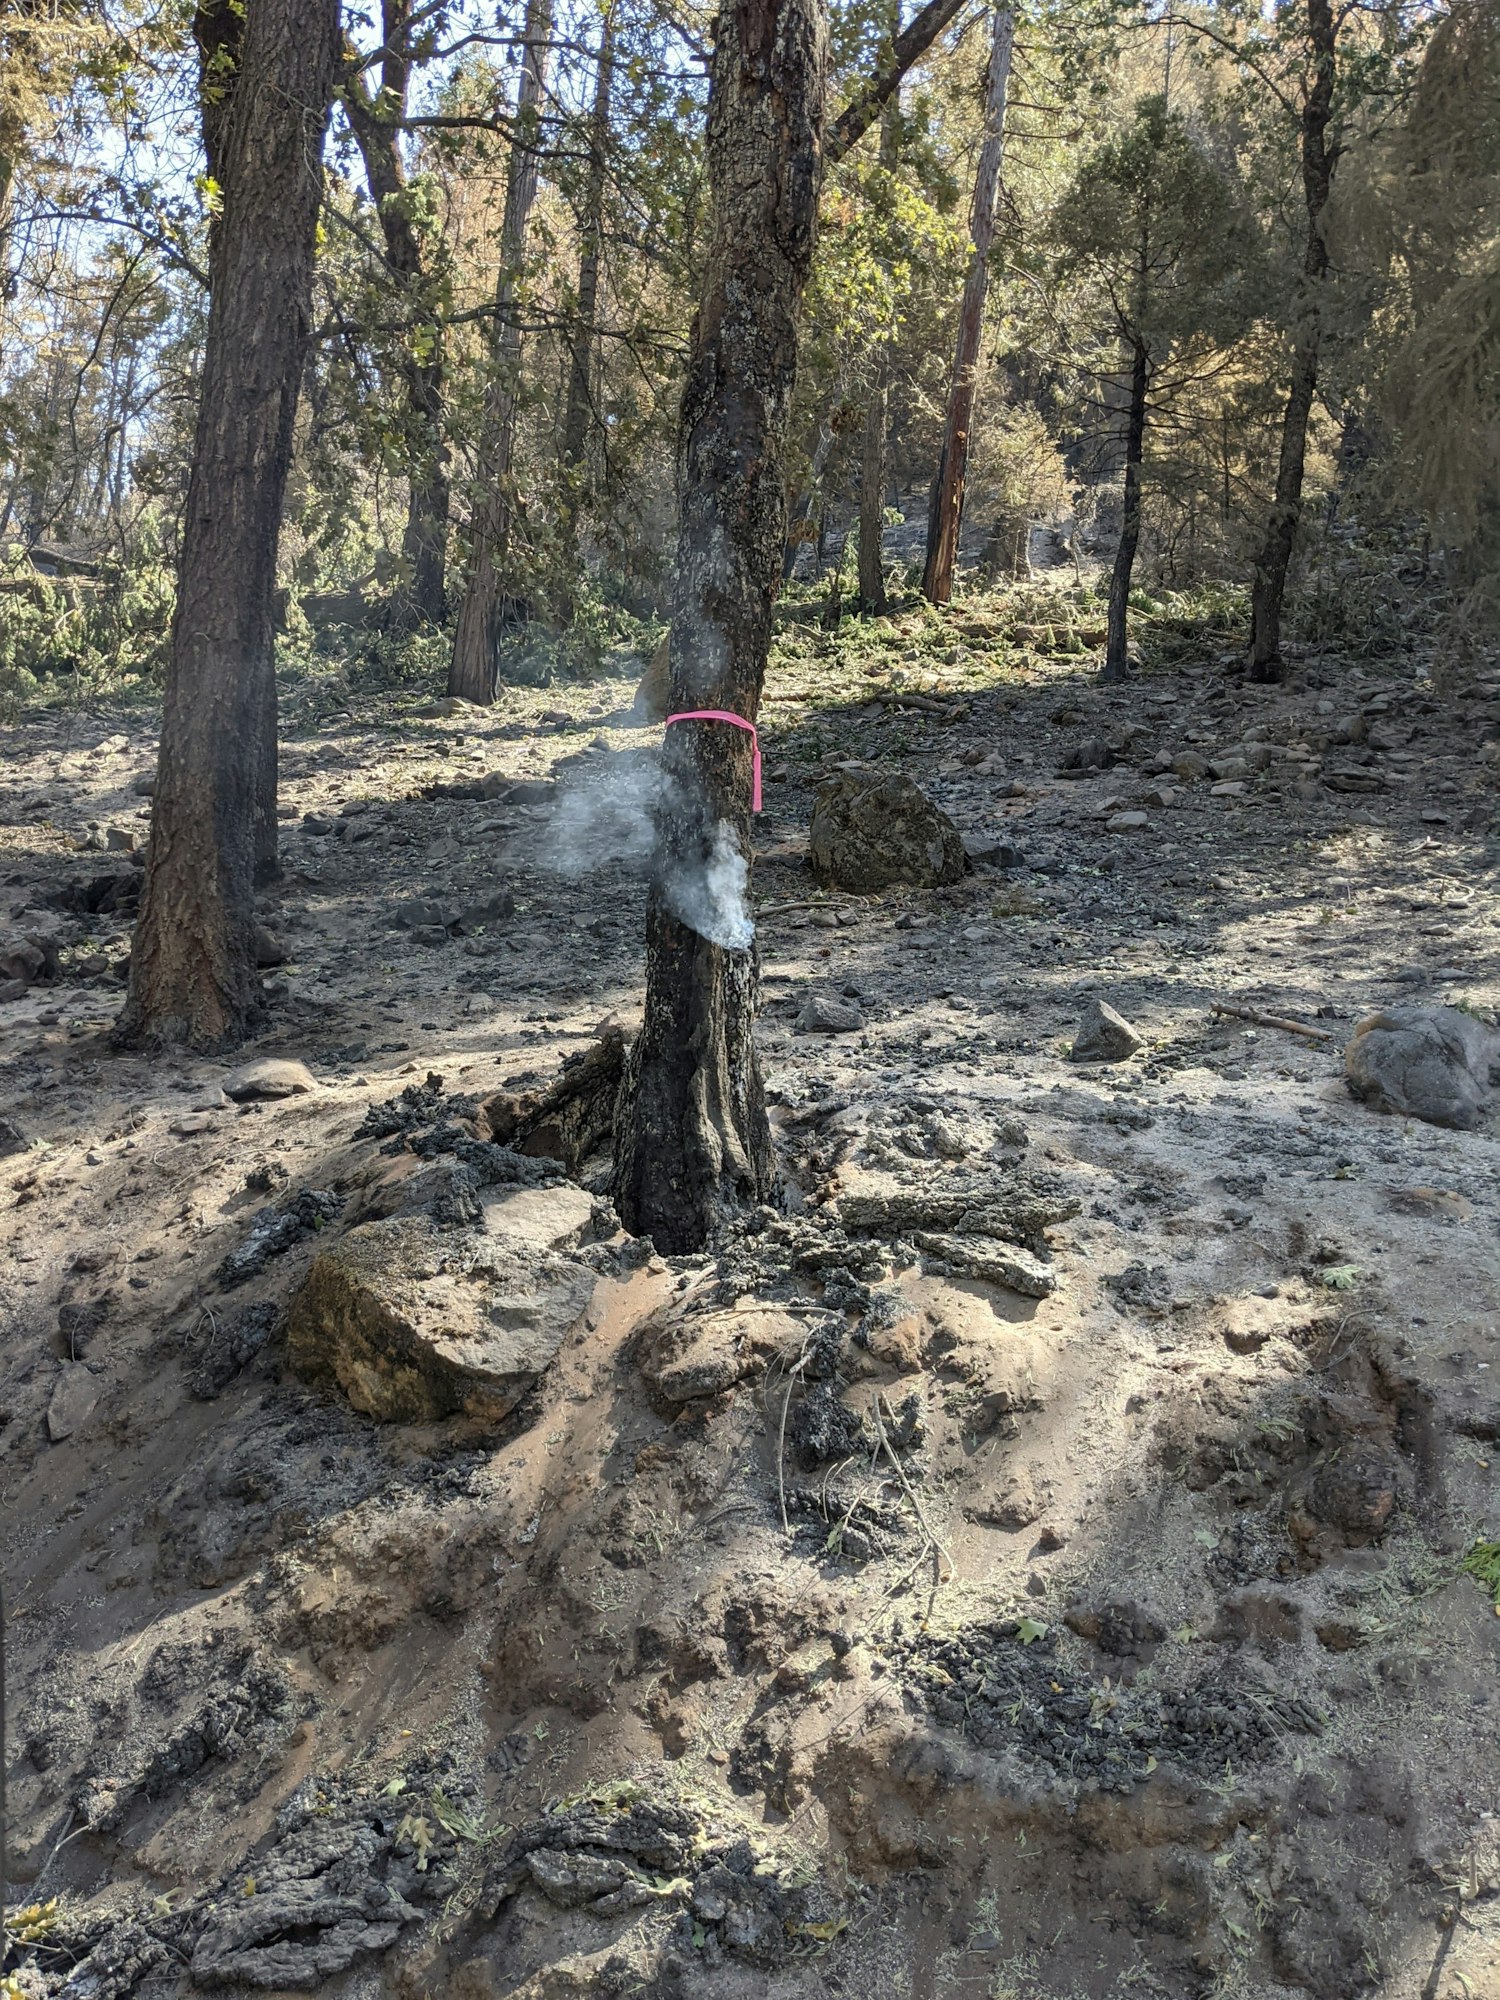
point(414, 1324)
point(418, 914)
point(12, 1139)
point(528, 1221)
point(1123, 1626)
point(1161, 795)
point(271, 1076)
point(144, 786)
point(1261, 1613)
point(1231, 788)
point(122, 839)
point(269, 949)
point(187, 1124)
point(1126, 822)
point(1355, 1492)
point(1189, 766)
point(871, 832)
point(29, 961)
point(685, 1358)
point(990, 851)
point(1104, 1036)
point(316, 823)
point(74, 1396)
point(1432, 1063)
point(823, 1014)
point(496, 909)
point(1017, 1270)
point(1094, 753)
point(1230, 768)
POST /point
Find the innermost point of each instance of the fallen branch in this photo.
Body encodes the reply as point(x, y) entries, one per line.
point(1260, 1020)
point(939, 1548)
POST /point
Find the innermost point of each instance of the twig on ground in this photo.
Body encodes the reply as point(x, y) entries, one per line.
point(1260, 1020)
point(938, 1547)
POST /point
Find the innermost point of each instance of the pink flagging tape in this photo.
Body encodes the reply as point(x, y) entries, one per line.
point(739, 721)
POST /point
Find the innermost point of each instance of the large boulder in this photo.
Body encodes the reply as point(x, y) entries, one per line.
point(413, 1322)
point(871, 832)
point(1432, 1063)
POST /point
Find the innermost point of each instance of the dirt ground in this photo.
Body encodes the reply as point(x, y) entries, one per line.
point(831, 1616)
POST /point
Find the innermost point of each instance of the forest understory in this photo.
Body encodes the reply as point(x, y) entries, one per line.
point(1032, 1561)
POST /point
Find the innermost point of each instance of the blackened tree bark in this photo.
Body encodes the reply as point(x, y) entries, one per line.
point(192, 965)
point(471, 671)
point(1318, 160)
point(872, 597)
point(946, 514)
point(219, 35)
point(1116, 658)
point(375, 118)
point(580, 404)
point(693, 1139)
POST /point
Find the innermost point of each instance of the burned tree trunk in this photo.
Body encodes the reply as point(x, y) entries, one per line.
point(192, 967)
point(694, 1139)
point(375, 120)
point(1275, 558)
point(1116, 657)
point(946, 515)
point(471, 671)
point(578, 416)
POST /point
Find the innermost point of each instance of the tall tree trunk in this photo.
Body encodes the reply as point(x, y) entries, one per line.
point(375, 121)
point(471, 671)
point(946, 515)
point(580, 401)
point(1116, 659)
point(1274, 560)
point(192, 966)
point(872, 597)
point(693, 1139)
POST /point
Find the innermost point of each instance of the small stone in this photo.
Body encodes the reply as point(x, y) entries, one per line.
point(188, 1124)
point(1161, 795)
point(823, 1014)
point(417, 914)
point(1126, 822)
point(144, 787)
point(1232, 788)
point(269, 949)
point(73, 1399)
point(271, 1076)
point(12, 1139)
point(122, 840)
point(1104, 1035)
point(1231, 768)
point(1189, 765)
point(496, 909)
point(315, 823)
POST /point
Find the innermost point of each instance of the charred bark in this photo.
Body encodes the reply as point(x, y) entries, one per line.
point(192, 967)
point(1274, 560)
point(577, 418)
point(945, 518)
point(476, 642)
point(694, 1140)
point(375, 121)
point(1116, 656)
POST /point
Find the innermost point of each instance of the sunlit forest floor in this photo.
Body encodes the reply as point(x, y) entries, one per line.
point(1148, 1664)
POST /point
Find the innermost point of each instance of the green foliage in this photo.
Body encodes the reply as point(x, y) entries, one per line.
point(73, 636)
point(1482, 1562)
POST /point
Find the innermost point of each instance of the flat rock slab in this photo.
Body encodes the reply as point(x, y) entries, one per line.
point(271, 1076)
point(530, 1221)
point(414, 1323)
point(74, 1397)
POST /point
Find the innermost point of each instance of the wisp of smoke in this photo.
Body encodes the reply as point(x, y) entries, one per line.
point(711, 900)
point(610, 815)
